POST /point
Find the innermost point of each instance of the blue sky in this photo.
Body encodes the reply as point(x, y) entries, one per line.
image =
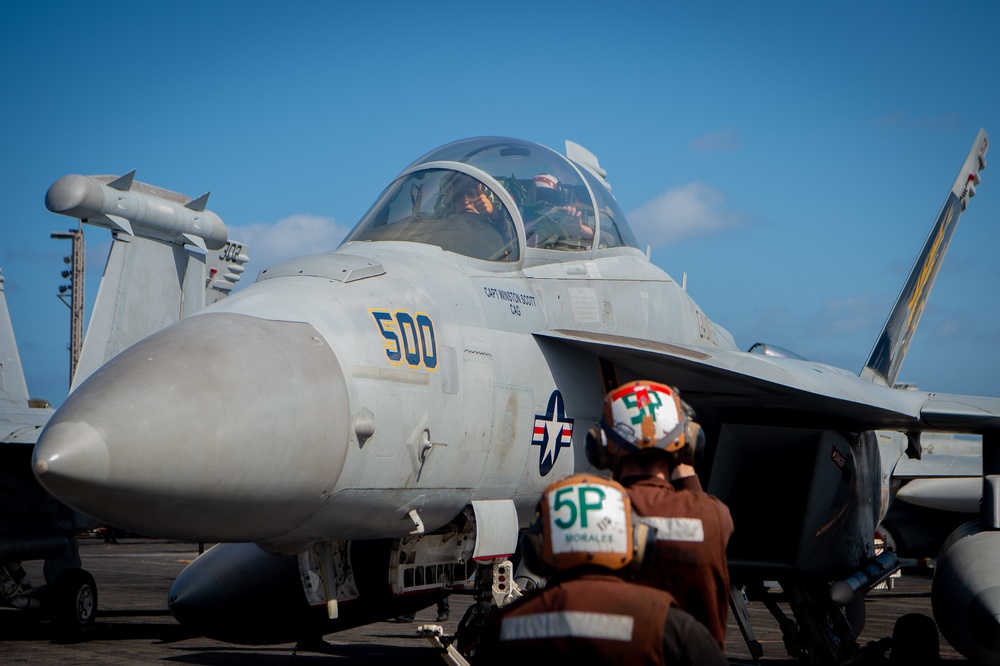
point(790, 157)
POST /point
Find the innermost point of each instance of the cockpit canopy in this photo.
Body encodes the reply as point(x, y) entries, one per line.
point(492, 197)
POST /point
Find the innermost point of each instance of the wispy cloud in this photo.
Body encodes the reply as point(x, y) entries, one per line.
point(890, 120)
point(726, 140)
point(848, 315)
point(948, 328)
point(945, 122)
point(686, 211)
point(293, 236)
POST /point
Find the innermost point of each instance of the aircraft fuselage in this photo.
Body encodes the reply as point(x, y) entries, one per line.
point(361, 385)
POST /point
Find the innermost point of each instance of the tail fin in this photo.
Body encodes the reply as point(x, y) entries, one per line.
point(148, 285)
point(160, 268)
point(13, 390)
point(890, 348)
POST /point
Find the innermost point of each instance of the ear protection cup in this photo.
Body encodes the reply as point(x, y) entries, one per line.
point(532, 548)
point(693, 444)
point(693, 438)
point(697, 445)
point(596, 448)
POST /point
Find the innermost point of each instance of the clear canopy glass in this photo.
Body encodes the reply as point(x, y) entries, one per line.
point(561, 206)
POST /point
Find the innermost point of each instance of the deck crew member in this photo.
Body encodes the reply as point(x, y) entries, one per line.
point(647, 437)
point(584, 535)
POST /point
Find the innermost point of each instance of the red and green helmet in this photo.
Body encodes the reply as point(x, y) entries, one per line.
point(643, 415)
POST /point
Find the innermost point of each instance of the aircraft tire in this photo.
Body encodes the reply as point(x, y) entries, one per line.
point(73, 601)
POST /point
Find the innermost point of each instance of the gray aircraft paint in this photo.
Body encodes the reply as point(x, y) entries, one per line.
point(382, 389)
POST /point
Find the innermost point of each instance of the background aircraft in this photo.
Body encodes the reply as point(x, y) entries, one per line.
point(390, 412)
point(158, 271)
point(936, 494)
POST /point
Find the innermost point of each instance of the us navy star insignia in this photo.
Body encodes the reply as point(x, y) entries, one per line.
point(553, 432)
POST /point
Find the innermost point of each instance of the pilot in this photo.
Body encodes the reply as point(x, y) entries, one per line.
point(550, 207)
point(469, 203)
point(468, 195)
point(584, 536)
point(647, 437)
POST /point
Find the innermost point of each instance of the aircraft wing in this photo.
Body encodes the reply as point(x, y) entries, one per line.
point(22, 425)
point(934, 466)
point(756, 389)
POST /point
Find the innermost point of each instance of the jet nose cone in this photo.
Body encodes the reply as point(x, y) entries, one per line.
point(222, 427)
point(75, 455)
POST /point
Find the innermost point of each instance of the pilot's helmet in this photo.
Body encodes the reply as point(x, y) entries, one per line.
point(639, 416)
point(458, 186)
point(547, 189)
point(585, 520)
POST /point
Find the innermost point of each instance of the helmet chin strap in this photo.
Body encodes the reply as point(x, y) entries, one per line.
point(673, 436)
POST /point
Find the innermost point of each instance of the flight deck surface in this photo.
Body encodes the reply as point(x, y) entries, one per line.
point(134, 626)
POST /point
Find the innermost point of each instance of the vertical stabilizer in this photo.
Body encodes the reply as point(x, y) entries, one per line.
point(170, 257)
point(890, 348)
point(13, 389)
point(148, 285)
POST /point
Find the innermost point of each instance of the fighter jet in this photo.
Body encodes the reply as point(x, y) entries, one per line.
point(390, 412)
point(159, 269)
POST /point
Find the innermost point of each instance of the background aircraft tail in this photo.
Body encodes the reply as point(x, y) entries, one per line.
point(13, 389)
point(890, 348)
point(169, 258)
point(148, 285)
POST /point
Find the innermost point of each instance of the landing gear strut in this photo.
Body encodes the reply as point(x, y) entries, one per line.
point(494, 588)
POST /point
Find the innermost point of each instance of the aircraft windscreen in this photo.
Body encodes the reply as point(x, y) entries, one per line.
point(563, 207)
point(446, 208)
point(615, 231)
point(553, 200)
point(556, 204)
